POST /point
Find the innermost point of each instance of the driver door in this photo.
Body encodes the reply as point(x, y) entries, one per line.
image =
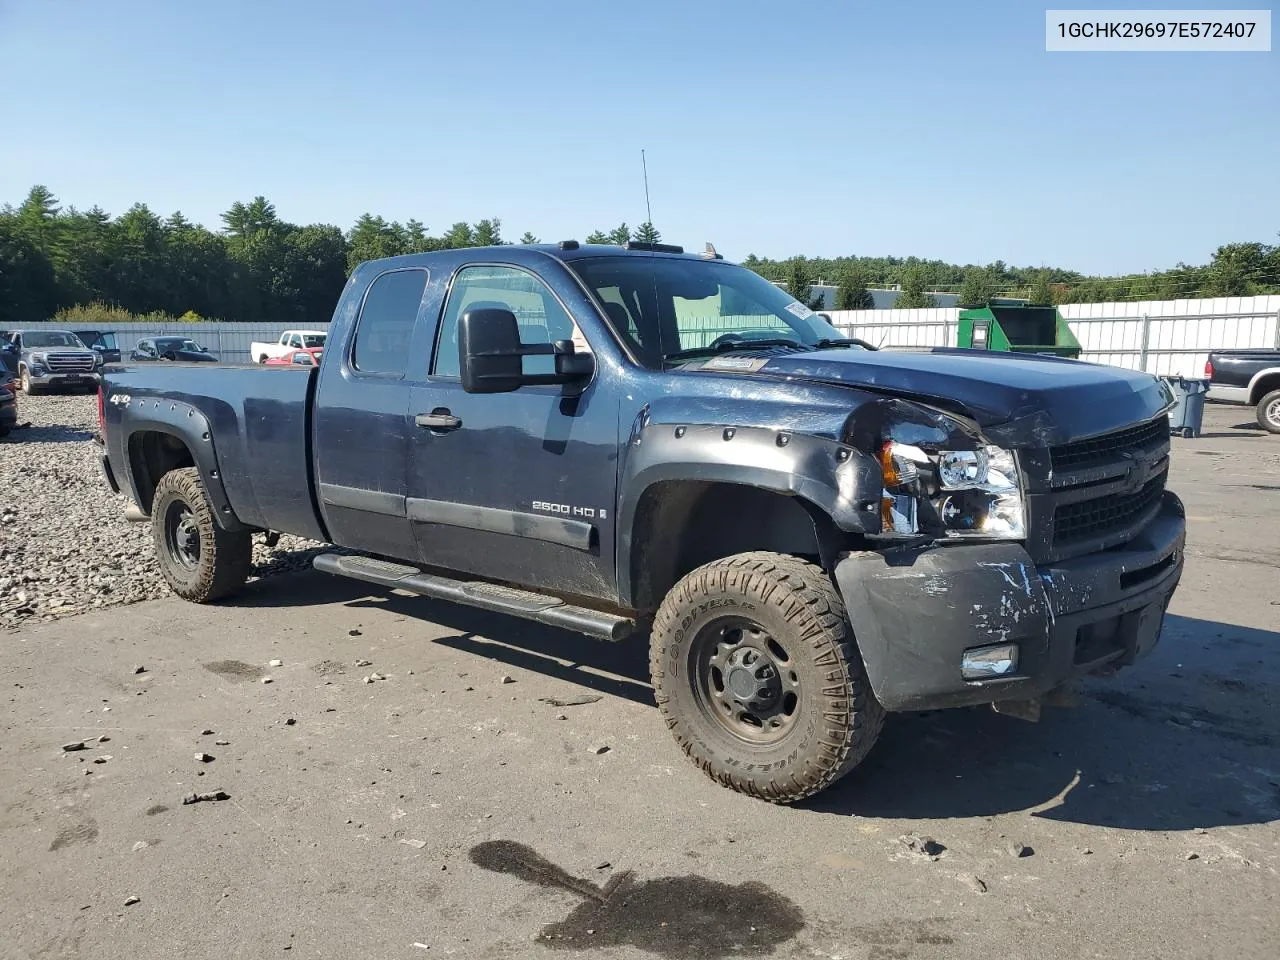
point(519, 486)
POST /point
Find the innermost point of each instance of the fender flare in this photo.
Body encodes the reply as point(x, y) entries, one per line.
point(824, 475)
point(186, 423)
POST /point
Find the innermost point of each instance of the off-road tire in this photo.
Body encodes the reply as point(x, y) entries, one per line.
point(262, 359)
point(224, 555)
point(24, 380)
point(837, 719)
point(1269, 412)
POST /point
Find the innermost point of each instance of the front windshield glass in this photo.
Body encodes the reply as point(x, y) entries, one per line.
point(313, 340)
point(52, 338)
point(177, 343)
point(673, 310)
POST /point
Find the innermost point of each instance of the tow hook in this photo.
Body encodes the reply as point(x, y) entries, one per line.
point(1063, 695)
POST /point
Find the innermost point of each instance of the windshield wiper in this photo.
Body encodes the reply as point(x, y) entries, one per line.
point(743, 344)
point(843, 342)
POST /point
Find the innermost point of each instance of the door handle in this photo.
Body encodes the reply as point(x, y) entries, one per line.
point(438, 420)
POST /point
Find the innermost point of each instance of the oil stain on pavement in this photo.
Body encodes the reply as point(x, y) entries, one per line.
point(681, 918)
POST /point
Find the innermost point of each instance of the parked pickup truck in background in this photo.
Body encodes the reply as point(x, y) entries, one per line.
point(50, 359)
point(632, 441)
point(289, 340)
point(1247, 376)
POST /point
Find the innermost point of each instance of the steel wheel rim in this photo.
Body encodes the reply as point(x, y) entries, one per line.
point(745, 681)
point(182, 535)
point(1273, 412)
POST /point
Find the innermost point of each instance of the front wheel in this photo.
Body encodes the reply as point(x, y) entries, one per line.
point(757, 677)
point(29, 388)
point(201, 561)
point(1269, 412)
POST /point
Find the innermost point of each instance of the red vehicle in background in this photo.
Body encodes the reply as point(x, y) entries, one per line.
point(308, 357)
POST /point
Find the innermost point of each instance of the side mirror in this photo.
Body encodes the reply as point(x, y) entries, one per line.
point(490, 354)
point(9, 348)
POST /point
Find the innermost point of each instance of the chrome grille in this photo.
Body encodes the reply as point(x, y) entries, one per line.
point(70, 362)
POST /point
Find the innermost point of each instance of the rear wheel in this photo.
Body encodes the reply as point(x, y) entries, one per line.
point(263, 358)
point(200, 560)
point(1269, 412)
point(758, 679)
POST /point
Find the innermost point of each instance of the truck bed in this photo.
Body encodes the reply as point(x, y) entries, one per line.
point(258, 423)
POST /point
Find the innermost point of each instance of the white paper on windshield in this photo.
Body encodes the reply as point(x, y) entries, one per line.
point(799, 310)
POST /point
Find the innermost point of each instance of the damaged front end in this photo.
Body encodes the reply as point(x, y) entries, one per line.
point(999, 575)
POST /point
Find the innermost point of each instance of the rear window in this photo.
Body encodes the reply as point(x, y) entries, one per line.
point(385, 327)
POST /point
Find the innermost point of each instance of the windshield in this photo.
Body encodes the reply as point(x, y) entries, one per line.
point(177, 343)
point(671, 310)
point(313, 340)
point(51, 338)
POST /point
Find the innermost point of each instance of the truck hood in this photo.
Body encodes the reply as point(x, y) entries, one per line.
point(1018, 400)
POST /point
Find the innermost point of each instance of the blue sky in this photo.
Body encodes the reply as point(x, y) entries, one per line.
point(939, 129)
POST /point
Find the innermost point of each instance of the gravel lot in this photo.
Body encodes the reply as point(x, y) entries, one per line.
point(65, 546)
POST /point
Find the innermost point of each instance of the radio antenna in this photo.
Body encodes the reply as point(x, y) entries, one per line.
point(644, 167)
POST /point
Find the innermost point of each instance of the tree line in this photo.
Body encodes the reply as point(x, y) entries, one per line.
point(259, 267)
point(1236, 270)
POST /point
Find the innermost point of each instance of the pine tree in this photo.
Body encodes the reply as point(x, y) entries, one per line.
point(851, 290)
point(647, 233)
point(913, 295)
point(977, 288)
point(799, 284)
point(620, 234)
point(1041, 290)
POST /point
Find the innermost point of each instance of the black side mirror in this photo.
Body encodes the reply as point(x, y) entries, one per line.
point(9, 348)
point(489, 351)
point(490, 354)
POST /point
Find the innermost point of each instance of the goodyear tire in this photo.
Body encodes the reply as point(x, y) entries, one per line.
point(201, 561)
point(758, 679)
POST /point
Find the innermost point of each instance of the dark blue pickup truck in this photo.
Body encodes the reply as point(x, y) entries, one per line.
point(634, 441)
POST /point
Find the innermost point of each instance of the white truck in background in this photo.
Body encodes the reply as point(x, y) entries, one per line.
point(289, 340)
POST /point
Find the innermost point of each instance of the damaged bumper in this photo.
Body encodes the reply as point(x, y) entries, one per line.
point(915, 612)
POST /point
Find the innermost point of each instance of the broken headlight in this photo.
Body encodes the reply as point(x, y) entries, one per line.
point(951, 493)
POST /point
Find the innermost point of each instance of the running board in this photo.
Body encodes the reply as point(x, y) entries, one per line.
point(475, 593)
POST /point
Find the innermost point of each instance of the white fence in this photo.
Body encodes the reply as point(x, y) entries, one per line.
point(1164, 337)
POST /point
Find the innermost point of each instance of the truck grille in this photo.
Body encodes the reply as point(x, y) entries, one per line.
point(1087, 453)
point(1097, 493)
point(1090, 519)
point(70, 362)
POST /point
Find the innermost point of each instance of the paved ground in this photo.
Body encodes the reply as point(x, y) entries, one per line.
point(443, 811)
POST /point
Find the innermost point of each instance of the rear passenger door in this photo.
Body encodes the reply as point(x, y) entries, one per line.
point(361, 438)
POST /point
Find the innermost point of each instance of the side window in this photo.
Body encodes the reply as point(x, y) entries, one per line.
point(302, 359)
point(385, 326)
point(295, 341)
point(538, 312)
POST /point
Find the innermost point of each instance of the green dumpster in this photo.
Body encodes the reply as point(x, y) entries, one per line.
point(1018, 328)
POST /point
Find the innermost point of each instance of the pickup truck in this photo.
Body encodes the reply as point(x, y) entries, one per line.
point(47, 359)
point(289, 340)
point(638, 442)
point(1247, 376)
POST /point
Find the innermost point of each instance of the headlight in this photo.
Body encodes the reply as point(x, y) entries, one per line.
point(951, 493)
point(39, 357)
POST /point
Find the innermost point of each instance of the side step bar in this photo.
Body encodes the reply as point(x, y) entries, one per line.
point(474, 593)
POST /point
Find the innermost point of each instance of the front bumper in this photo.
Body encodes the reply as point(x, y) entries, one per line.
point(915, 611)
point(51, 379)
